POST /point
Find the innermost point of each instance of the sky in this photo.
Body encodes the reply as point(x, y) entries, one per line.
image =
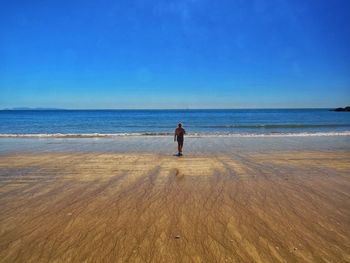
point(137, 54)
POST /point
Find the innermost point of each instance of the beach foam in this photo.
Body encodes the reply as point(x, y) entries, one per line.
point(160, 134)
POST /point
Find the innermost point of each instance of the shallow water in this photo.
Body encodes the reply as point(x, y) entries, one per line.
point(155, 122)
point(166, 145)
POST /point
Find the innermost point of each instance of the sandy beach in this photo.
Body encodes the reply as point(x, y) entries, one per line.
point(261, 203)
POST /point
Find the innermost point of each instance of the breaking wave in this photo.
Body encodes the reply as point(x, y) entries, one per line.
point(277, 126)
point(153, 134)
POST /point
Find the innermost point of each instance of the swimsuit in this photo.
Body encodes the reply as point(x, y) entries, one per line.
point(180, 138)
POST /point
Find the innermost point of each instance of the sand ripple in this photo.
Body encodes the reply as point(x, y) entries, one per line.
point(105, 207)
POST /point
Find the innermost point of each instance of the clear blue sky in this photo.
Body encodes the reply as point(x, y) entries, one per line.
point(175, 54)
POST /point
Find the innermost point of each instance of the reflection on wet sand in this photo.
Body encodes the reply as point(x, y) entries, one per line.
point(108, 207)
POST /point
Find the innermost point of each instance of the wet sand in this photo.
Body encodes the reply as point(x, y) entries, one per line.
point(247, 206)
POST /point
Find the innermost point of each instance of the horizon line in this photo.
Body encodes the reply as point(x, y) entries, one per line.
point(81, 109)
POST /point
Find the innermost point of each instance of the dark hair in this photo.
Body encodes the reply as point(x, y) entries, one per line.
point(180, 125)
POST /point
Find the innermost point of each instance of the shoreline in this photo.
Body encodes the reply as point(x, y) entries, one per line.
point(160, 134)
point(165, 145)
point(228, 199)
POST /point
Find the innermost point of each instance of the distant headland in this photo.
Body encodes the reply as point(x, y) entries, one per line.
point(347, 108)
point(29, 108)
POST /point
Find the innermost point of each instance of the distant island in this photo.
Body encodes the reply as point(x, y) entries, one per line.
point(347, 108)
point(28, 108)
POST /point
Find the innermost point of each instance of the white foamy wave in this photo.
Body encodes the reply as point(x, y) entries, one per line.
point(160, 134)
point(67, 135)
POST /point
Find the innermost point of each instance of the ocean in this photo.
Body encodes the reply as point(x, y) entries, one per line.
point(231, 122)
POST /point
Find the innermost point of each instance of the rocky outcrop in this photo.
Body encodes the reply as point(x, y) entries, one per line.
point(347, 108)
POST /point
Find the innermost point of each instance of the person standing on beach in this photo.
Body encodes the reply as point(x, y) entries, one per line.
point(179, 137)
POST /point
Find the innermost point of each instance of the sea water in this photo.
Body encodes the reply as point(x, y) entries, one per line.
point(232, 122)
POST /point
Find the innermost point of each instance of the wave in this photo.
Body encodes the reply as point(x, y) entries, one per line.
point(163, 134)
point(277, 126)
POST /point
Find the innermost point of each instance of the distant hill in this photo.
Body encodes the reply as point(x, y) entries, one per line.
point(347, 108)
point(29, 108)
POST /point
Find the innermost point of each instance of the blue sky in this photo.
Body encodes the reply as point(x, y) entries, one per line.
point(175, 54)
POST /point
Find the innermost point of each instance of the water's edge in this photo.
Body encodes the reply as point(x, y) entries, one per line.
point(111, 135)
